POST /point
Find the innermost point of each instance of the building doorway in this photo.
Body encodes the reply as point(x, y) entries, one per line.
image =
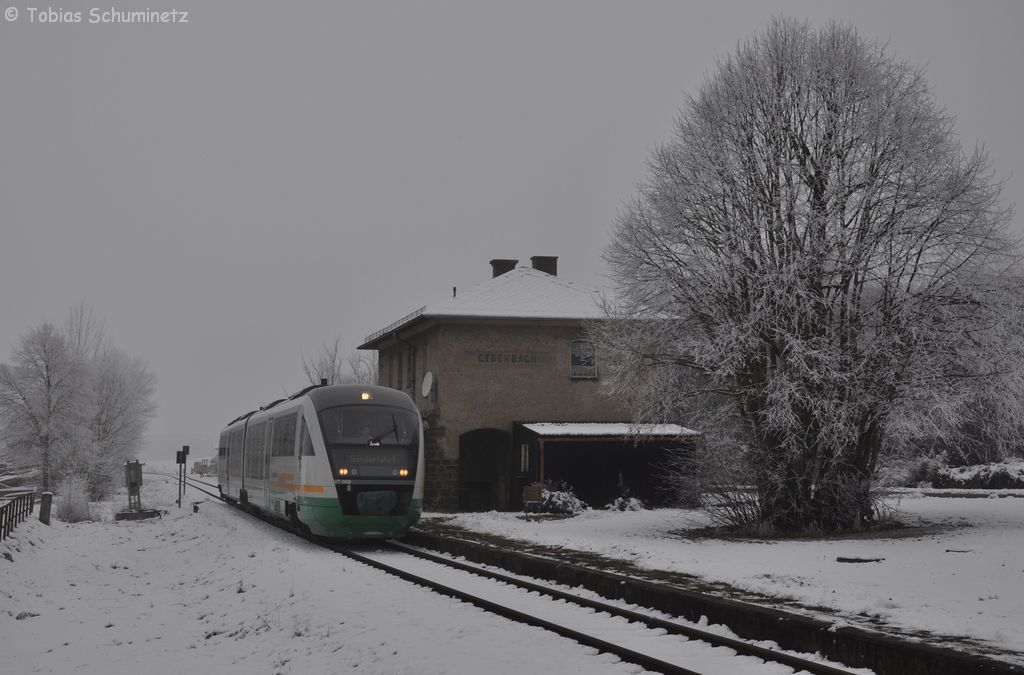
point(483, 470)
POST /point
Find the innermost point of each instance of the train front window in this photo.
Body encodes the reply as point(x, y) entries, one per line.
point(366, 441)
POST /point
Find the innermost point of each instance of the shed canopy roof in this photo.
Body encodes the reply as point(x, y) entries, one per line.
point(607, 429)
point(522, 293)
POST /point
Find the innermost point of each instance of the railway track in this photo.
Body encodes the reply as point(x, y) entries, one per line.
point(201, 485)
point(656, 644)
point(653, 643)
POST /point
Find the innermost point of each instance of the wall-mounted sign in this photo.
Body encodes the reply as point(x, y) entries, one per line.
point(506, 358)
point(582, 361)
point(428, 384)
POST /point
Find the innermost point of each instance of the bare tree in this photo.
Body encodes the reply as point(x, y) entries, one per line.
point(815, 272)
point(41, 397)
point(121, 407)
point(330, 364)
point(327, 364)
point(85, 332)
point(362, 367)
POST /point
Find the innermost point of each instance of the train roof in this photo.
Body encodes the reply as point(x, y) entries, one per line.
point(242, 417)
point(345, 394)
point(324, 396)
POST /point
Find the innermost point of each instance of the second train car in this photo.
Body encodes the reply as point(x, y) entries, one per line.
point(342, 461)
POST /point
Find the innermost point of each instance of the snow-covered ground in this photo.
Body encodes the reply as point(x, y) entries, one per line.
point(962, 576)
point(217, 591)
point(220, 592)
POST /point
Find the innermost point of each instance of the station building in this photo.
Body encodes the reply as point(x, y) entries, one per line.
point(509, 389)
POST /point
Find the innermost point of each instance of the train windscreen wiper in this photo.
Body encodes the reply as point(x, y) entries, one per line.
point(375, 440)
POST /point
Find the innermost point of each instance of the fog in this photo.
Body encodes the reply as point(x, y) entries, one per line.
point(233, 191)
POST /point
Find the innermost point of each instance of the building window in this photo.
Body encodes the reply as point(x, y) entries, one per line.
point(582, 362)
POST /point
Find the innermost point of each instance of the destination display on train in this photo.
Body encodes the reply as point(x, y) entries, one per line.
point(377, 459)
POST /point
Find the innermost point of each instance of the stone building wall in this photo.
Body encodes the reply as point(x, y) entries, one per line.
point(488, 374)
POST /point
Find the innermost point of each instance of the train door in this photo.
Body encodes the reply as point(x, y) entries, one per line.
point(267, 501)
point(285, 471)
point(264, 465)
point(276, 477)
point(303, 455)
point(286, 457)
point(222, 463)
point(234, 481)
point(256, 488)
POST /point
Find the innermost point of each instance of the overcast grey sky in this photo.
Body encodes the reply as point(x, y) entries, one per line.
point(231, 191)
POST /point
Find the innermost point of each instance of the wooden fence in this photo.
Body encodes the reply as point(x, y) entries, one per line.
point(14, 509)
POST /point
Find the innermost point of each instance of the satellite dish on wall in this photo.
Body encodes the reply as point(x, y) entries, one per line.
point(428, 384)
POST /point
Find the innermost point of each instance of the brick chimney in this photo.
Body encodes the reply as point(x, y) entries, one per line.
point(545, 263)
point(501, 265)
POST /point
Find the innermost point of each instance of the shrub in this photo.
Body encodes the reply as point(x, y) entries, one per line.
point(1000, 476)
point(558, 497)
point(625, 504)
point(74, 499)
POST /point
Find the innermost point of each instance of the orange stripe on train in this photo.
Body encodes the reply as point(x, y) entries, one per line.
point(292, 487)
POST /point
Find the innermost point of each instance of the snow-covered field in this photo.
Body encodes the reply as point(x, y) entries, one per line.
point(964, 576)
point(217, 591)
point(220, 592)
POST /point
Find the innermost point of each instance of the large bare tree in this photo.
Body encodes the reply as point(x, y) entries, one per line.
point(42, 398)
point(816, 272)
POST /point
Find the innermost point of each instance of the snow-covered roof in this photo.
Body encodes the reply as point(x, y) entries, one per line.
point(549, 429)
point(521, 293)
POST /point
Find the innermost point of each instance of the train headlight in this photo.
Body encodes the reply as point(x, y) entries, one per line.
point(403, 472)
point(366, 396)
point(342, 472)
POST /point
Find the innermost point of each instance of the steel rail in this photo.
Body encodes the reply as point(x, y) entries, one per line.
point(638, 658)
point(629, 655)
point(648, 662)
point(192, 482)
point(739, 646)
point(199, 481)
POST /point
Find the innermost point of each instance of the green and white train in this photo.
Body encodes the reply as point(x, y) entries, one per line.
point(343, 461)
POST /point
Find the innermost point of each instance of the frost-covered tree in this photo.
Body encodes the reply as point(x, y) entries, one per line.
point(73, 403)
point(121, 405)
point(816, 273)
point(42, 398)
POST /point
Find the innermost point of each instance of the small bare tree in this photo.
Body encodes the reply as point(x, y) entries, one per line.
point(330, 364)
point(362, 367)
point(327, 364)
point(815, 272)
point(85, 332)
